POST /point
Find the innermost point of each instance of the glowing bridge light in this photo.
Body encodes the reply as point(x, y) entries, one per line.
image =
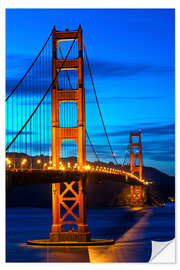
point(69, 165)
point(38, 161)
point(8, 161)
point(23, 161)
point(87, 167)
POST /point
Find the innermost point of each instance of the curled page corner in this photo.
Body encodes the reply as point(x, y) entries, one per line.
point(163, 252)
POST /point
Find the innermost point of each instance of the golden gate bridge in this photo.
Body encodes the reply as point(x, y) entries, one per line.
point(47, 136)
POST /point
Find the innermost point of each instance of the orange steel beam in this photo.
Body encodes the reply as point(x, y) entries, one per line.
point(65, 35)
point(136, 195)
point(68, 95)
point(68, 64)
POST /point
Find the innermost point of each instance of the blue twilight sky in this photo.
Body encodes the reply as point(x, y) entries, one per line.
point(132, 56)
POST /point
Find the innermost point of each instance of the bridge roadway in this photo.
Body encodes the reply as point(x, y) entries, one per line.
point(17, 177)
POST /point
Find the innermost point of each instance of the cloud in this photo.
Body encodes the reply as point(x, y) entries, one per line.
point(161, 130)
point(166, 157)
point(105, 69)
point(13, 133)
point(17, 65)
point(151, 130)
point(159, 154)
point(118, 99)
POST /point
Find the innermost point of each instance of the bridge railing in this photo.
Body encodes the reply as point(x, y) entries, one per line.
point(69, 167)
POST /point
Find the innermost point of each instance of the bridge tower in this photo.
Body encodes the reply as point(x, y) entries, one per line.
point(136, 153)
point(137, 193)
point(60, 199)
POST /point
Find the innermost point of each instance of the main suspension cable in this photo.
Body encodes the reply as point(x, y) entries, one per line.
point(113, 155)
point(92, 146)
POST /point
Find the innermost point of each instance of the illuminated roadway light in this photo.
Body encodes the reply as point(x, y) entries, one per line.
point(23, 161)
point(38, 161)
point(75, 166)
point(88, 167)
point(7, 160)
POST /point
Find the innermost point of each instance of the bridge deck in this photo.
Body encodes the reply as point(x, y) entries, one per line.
point(35, 176)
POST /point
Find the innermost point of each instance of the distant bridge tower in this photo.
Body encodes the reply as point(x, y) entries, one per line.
point(136, 153)
point(137, 192)
point(77, 199)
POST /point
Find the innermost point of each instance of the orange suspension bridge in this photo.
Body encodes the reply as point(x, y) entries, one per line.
point(49, 134)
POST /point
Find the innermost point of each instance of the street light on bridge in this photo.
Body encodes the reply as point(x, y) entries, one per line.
point(39, 163)
point(44, 166)
point(23, 162)
point(8, 162)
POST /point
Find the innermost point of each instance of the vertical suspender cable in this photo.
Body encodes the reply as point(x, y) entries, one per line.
point(29, 67)
point(50, 86)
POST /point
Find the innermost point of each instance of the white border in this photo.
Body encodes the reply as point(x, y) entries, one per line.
point(92, 4)
point(2, 135)
point(76, 4)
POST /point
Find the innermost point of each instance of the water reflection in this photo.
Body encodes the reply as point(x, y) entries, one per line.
point(130, 247)
point(67, 254)
point(132, 230)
